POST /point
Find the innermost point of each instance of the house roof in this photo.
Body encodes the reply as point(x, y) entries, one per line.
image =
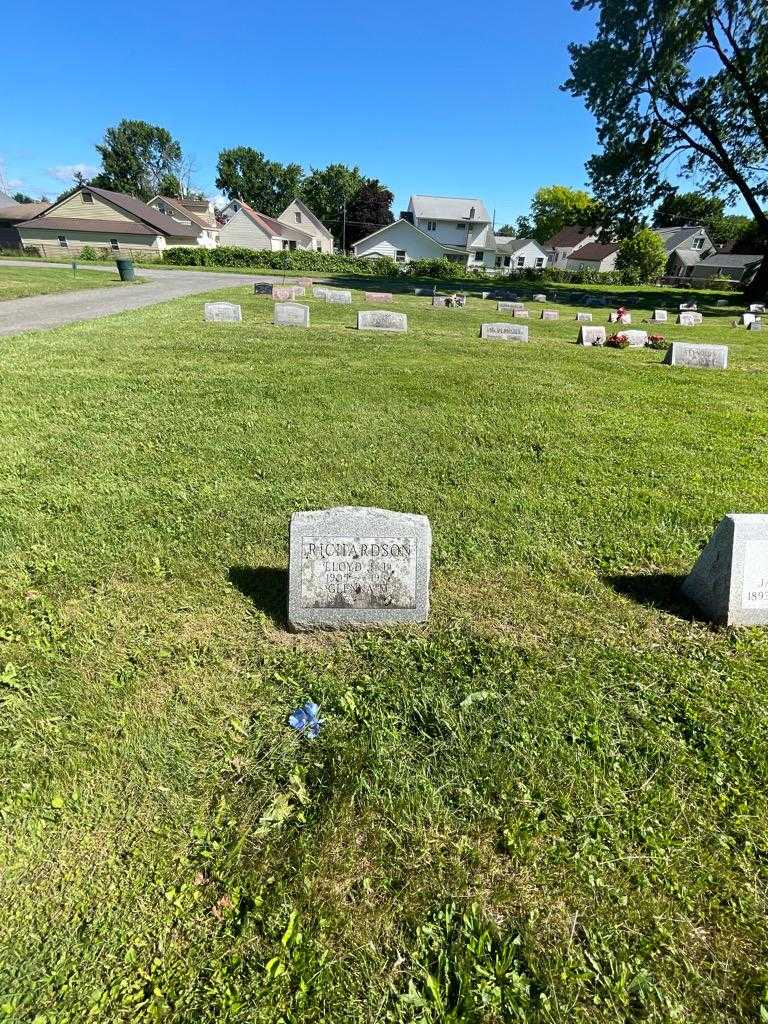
point(484, 240)
point(111, 227)
point(197, 216)
point(724, 259)
point(159, 223)
point(17, 212)
point(569, 237)
point(676, 237)
point(269, 224)
point(402, 220)
point(448, 208)
point(508, 245)
point(688, 257)
point(309, 215)
point(596, 251)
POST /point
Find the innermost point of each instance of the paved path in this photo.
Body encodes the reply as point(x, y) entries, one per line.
point(39, 312)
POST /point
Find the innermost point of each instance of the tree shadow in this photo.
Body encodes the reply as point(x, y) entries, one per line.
point(657, 590)
point(266, 586)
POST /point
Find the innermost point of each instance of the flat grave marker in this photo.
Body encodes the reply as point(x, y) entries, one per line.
point(381, 320)
point(707, 357)
point(351, 568)
point(291, 314)
point(223, 312)
point(729, 581)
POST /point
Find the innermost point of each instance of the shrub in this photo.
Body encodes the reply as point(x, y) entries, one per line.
point(617, 341)
point(642, 258)
point(296, 259)
point(88, 253)
point(440, 268)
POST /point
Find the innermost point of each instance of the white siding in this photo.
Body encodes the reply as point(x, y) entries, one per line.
point(448, 231)
point(399, 235)
point(240, 230)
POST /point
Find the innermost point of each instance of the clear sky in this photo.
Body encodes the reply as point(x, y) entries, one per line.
point(444, 98)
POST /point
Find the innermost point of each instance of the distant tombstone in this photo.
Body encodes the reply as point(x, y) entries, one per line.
point(520, 313)
point(282, 293)
point(757, 307)
point(351, 568)
point(291, 314)
point(660, 316)
point(584, 318)
point(509, 307)
point(298, 291)
point(338, 296)
point(381, 320)
point(319, 292)
point(690, 319)
point(305, 282)
point(709, 357)
point(550, 314)
point(729, 581)
point(636, 339)
point(756, 325)
point(262, 288)
point(223, 312)
point(624, 318)
point(485, 295)
point(540, 298)
point(722, 302)
point(443, 302)
point(592, 336)
point(748, 318)
point(687, 307)
point(422, 291)
point(504, 332)
point(378, 296)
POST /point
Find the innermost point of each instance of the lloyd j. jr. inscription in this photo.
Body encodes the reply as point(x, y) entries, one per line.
point(355, 567)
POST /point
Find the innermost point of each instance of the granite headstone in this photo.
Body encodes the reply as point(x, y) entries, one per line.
point(708, 357)
point(223, 312)
point(381, 320)
point(729, 582)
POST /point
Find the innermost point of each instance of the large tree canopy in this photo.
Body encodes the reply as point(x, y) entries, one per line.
point(369, 209)
point(555, 207)
point(136, 157)
point(684, 79)
point(245, 173)
point(326, 192)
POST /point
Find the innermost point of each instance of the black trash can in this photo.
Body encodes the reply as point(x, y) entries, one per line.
point(125, 269)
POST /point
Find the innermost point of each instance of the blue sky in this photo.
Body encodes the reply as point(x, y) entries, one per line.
point(442, 98)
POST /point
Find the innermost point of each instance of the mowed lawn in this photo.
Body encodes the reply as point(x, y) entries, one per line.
point(548, 804)
point(20, 282)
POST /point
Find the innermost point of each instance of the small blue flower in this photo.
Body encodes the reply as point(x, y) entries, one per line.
point(306, 720)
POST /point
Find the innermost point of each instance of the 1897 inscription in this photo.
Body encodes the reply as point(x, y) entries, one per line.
point(755, 574)
point(358, 572)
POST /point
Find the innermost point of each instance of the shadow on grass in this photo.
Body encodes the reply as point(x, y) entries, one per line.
point(266, 586)
point(658, 590)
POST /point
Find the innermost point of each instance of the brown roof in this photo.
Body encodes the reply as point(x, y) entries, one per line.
point(111, 227)
point(269, 224)
point(16, 212)
point(596, 251)
point(196, 213)
point(569, 236)
point(157, 221)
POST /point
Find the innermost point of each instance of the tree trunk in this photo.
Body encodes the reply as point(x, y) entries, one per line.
point(757, 290)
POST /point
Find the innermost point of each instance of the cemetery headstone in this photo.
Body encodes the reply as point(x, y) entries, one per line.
point(298, 291)
point(660, 316)
point(748, 318)
point(282, 293)
point(722, 302)
point(351, 568)
point(757, 307)
point(709, 357)
point(550, 314)
point(637, 339)
point(592, 336)
point(505, 306)
point(729, 581)
point(291, 314)
point(381, 320)
point(756, 325)
point(689, 319)
point(339, 297)
point(504, 332)
point(520, 312)
point(378, 296)
point(540, 298)
point(686, 307)
point(584, 318)
point(319, 292)
point(223, 312)
point(262, 288)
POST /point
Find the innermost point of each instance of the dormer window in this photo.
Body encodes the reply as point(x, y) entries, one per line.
point(88, 197)
point(698, 243)
point(297, 215)
point(431, 225)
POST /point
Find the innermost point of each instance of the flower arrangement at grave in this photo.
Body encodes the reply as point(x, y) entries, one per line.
point(617, 341)
point(657, 341)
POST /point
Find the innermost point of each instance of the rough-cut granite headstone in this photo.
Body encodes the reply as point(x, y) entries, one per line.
point(282, 293)
point(378, 296)
point(709, 357)
point(584, 318)
point(660, 316)
point(351, 568)
point(338, 296)
point(223, 312)
point(291, 314)
point(381, 320)
point(550, 314)
point(637, 339)
point(690, 319)
point(262, 288)
point(729, 582)
point(540, 297)
point(504, 332)
point(592, 336)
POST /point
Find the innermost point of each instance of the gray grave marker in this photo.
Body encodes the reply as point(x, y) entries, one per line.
point(637, 339)
point(687, 307)
point(319, 292)
point(291, 314)
point(338, 296)
point(381, 320)
point(756, 325)
point(729, 582)
point(690, 319)
point(709, 357)
point(378, 296)
point(282, 293)
point(660, 316)
point(504, 332)
point(351, 568)
point(262, 288)
point(757, 307)
point(592, 336)
point(722, 302)
point(584, 318)
point(540, 297)
point(223, 312)
point(550, 314)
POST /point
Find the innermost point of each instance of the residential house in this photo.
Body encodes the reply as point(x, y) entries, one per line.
point(686, 246)
point(249, 229)
point(458, 229)
point(199, 212)
point(561, 246)
point(737, 267)
point(11, 215)
point(298, 215)
point(599, 256)
point(101, 219)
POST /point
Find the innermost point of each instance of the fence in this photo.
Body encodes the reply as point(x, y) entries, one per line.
point(104, 253)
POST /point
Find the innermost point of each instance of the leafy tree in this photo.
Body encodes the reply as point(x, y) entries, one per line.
point(553, 208)
point(136, 157)
point(169, 185)
point(22, 197)
point(507, 229)
point(266, 185)
point(326, 191)
point(369, 208)
point(655, 98)
point(644, 254)
point(681, 208)
point(736, 227)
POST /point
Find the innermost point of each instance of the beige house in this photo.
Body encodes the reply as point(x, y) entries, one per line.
point(295, 228)
point(111, 221)
point(298, 215)
point(594, 256)
point(194, 212)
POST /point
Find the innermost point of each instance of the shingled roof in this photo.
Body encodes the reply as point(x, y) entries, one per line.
point(596, 251)
point(159, 223)
point(569, 237)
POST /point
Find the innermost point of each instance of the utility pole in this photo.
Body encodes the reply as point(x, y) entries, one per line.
point(344, 227)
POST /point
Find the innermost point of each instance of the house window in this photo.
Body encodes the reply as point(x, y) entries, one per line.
point(319, 246)
point(698, 243)
point(400, 255)
point(297, 215)
point(115, 244)
point(87, 197)
point(62, 241)
point(507, 261)
point(431, 225)
point(498, 261)
point(539, 262)
point(521, 261)
point(460, 227)
point(479, 256)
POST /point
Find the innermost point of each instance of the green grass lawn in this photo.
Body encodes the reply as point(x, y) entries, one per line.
point(546, 805)
point(20, 282)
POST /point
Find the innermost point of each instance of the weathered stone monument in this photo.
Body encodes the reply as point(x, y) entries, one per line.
point(540, 297)
point(504, 332)
point(729, 582)
point(584, 318)
point(550, 314)
point(351, 568)
point(592, 336)
point(291, 314)
point(378, 296)
point(319, 291)
point(381, 320)
point(636, 339)
point(660, 316)
point(338, 296)
point(690, 318)
point(223, 312)
point(709, 357)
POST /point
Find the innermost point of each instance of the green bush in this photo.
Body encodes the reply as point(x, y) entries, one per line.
point(439, 268)
point(88, 253)
point(296, 259)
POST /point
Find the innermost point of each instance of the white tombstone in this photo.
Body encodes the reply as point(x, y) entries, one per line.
point(504, 332)
point(378, 296)
point(592, 336)
point(584, 318)
point(690, 319)
point(319, 291)
point(540, 298)
point(757, 307)
point(660, 316)
point(687, 307)
point(520, 313)
point(338, 296)
point(291, 314)
point(223, 312)
point(748, 318)
point(636, 339)
point(729, 582)
point(550, 314)
point(708, 357)
point(381, 320)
